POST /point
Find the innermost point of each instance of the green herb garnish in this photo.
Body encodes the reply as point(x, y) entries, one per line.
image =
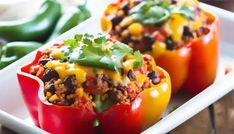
point(97, 52)
point(155, 12)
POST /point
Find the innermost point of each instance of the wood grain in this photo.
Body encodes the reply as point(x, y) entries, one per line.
point(200, 124)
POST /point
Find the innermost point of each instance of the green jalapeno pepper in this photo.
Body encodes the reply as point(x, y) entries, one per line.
point(36, 28)
point(15, 50)
point(70, 19)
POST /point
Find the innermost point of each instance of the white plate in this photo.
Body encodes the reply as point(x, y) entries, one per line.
point(16, 116)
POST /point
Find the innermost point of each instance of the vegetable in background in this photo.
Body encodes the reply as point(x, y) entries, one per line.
point(70, 19)
point(165, 30)
point(194, 65)
point(15, 50)
point(36, 28)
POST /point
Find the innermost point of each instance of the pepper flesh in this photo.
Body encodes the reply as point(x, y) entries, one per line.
point(145, 110)
point(194, 66)
point(191, 67)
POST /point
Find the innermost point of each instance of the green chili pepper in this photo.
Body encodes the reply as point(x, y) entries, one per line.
point(15, 50)
point(70, 19)
point(36, 28)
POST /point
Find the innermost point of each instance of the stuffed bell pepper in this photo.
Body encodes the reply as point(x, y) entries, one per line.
point(93, 84)
point(181, 36)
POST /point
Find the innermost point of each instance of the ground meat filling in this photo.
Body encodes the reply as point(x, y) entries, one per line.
point(142, 37)
point(67, 91)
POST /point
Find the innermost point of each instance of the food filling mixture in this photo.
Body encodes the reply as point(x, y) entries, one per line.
point(157, 24)
point(94, 72)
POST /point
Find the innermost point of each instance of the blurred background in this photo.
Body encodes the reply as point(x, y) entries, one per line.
point(199, 124)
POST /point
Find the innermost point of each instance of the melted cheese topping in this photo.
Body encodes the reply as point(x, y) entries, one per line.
point(66, 69)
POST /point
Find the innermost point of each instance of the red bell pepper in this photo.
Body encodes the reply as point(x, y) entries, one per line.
point(134, 117)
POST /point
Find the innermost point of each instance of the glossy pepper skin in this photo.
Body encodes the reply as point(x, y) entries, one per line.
point(194, 66)
point(16, 50)
point(70, 19)
point(36, 28)
point(134, 117)
point(191, 67)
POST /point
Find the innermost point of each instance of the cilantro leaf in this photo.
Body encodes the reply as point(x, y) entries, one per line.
point(98, 52)
point(138, 57)
point(188, 13)
point(71, 42)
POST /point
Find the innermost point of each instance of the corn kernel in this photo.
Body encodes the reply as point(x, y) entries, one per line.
point(127, 65)
point(61, 71)
point(126, 21)
point(48, 94)
point(53, 98)
point(79, 92)
point(49, 65)
point(135, 29)
point(56, 54)
point(94, 104)
point(124, 34)
point(80, 76)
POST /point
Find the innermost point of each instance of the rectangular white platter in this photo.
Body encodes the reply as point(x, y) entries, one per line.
point(14, 115)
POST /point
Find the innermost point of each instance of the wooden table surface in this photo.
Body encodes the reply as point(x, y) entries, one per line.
point(200, 124)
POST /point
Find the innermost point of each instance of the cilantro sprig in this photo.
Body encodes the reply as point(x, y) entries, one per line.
point(155, 12)
point(97, 51)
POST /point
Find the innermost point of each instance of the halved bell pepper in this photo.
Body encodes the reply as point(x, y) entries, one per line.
point(134, 117)
point(192, 66)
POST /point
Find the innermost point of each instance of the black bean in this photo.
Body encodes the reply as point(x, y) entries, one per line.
point(44, 61)
point(108, 80)
point(155, 80)
point(152, 75)
point(173, 1)
point(69, 102)
point(131, 75)
point(200, 31)
point(112, 95)
point(188, 32)
point(136, 41)
point(127, 39)
point(125, 7)
point(51, 88)
point(49, 74)
point(148, 40)
point(170, 44)
point(120, 87)
point(115, 20)
point(68, 82)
